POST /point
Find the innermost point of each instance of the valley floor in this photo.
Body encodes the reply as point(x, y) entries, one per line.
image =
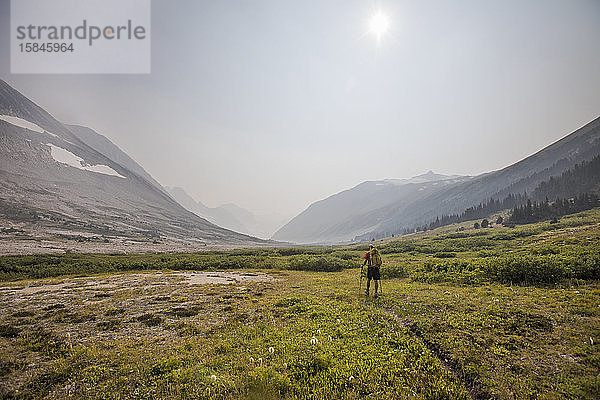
point(294, 334)
point(25, 238)
point(502, 313)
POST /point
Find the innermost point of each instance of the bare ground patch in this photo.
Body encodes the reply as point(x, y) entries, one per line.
point(42, 318)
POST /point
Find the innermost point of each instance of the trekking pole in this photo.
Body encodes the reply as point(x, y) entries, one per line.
point(380, 282)
point(360, 284)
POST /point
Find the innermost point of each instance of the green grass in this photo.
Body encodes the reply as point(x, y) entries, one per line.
point(506, 313)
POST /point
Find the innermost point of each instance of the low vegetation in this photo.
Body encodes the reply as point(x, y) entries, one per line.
point(506, 313)
point(45, 266)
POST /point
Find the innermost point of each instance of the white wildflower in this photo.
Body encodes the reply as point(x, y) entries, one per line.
point(318, 331)
point(314, 340)
point(252, 360)
point(213, 378)
point(271, 350)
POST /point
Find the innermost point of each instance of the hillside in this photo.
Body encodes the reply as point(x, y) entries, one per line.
point(581, 145)
point(343, 216)
point(389, 207)
point(582, 178)
point(576, 189)
point(69, 183)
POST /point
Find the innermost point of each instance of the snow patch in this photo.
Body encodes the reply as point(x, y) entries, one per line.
point(66, 157)
point(23, 123)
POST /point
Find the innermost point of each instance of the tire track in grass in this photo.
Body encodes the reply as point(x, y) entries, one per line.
point(475, 389)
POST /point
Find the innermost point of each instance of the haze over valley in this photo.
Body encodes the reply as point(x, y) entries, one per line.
point(68, 188)
point(300, 200)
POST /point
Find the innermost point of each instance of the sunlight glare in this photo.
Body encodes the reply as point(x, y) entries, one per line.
point(379, 24)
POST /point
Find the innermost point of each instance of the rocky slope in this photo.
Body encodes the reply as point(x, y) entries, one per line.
point(67, 181)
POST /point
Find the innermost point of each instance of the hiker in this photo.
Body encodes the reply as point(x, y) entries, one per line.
point(373, 259)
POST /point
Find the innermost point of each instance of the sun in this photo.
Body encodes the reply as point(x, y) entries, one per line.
point(379, 24)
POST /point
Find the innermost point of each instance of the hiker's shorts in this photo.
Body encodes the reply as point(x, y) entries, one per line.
point(373, 273)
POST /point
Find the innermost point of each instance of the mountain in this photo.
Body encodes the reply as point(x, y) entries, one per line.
point(66, 181)
point(107, 148)
point(380, 209)
point(229, 216)
point(356, 211)
point(523, 176)
point(218, 215)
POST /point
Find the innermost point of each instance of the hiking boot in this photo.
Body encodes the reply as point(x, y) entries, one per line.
point(375, 295)
point(367, 292)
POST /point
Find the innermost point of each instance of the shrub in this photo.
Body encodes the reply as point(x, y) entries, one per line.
point(150, 319)
point(319, 263)
point(108, 325)
point(526, 269)
point(8, 331)
point(389, 271)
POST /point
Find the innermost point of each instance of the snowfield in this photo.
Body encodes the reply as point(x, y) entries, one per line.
point(23, 123)
point(58, 153)
point(66, 157)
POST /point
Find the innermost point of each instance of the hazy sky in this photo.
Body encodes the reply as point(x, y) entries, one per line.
point(275, 104)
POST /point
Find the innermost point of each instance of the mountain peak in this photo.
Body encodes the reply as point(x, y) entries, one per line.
point(428, 174)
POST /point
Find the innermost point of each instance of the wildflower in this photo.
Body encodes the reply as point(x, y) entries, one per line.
point(213, 378)
point(318, 331)
point(271, 350)
point(252, 360)
point(284, 365)
point(330, 339)
point(351, 378)
point(339, 321)
point(260, 361)
point(314, 340)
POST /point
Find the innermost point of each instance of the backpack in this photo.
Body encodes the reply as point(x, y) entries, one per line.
point(375, 258)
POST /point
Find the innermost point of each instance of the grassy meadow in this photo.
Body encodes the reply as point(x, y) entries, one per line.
point(505, 313)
